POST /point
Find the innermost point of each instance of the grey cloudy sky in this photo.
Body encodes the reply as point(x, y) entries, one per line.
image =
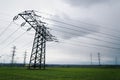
point(99, 16)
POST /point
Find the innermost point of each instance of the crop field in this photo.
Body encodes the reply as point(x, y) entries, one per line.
point(11, 73)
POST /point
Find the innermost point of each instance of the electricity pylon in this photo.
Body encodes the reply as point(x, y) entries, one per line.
point(13, 54)
point(42, 34)
point(99, 59)
point(24, 62)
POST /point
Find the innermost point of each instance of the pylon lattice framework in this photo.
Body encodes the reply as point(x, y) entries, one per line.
point(37, 59)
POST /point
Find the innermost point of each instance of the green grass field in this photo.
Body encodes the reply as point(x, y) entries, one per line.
point(60, 74)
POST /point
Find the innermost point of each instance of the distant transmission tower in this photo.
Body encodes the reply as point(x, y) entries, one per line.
point(37, 59)
point(24, 62)
point(99, 59)
point(13, 54)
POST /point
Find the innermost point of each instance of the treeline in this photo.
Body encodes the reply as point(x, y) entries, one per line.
point(61, 65)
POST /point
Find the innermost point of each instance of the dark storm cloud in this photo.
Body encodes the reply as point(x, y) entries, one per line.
point(85, 2)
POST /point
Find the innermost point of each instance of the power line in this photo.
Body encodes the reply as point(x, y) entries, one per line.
point(44, 13)
point(15, 39)
point(86, 37)
point(95, 44)
point(85, 23)
point(99, 45)
point(81, 31)
point(80, 27)
point(10, 35)
point(25, 45)
point(6, 29)
point(98, 40)
point(90, 46)
point(29, 34)
point(23, 29)
point(75, 25)
point(81, 22)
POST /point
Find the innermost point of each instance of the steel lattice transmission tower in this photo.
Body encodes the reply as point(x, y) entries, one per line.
point(42, 34)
